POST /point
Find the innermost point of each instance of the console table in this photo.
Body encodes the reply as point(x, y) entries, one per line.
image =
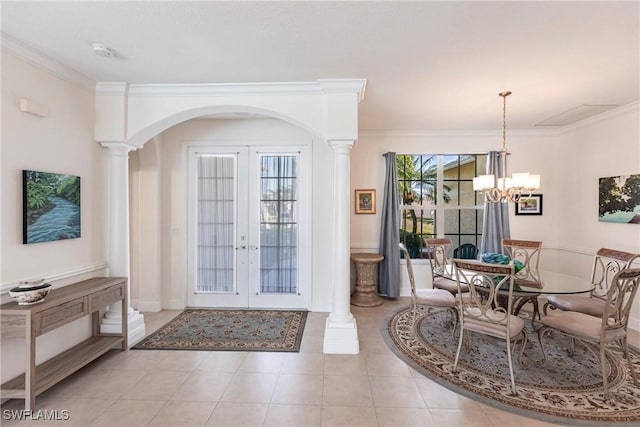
point(62, 306)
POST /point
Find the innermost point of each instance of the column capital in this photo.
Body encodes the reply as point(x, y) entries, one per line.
point(118, 146)
point(341, 144)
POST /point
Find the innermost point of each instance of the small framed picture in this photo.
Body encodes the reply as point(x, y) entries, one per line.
point(530, 205)
point(365, 201)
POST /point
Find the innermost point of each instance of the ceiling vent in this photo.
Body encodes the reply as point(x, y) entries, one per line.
point(576, 114)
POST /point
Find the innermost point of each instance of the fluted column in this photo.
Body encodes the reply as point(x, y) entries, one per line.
point(119, 250)
point(341, 331)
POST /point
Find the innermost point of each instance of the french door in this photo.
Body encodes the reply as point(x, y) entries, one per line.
point(248, 227)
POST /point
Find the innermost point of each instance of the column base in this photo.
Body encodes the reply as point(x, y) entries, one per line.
point(136, 329)
point(341, 337)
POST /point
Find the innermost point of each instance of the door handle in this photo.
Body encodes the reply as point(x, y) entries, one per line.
point(241, 247)
point(254, 247)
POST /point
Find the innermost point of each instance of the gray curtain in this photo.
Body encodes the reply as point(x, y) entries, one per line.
point(496, 215)
point(389, 269)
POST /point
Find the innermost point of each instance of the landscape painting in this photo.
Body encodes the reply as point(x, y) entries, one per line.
point(51, 206)
point(619, 199)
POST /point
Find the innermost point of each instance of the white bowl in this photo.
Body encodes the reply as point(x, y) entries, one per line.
point(30, 293)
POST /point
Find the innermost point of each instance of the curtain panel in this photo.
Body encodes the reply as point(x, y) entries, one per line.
point(496, 215)
point(389, 268)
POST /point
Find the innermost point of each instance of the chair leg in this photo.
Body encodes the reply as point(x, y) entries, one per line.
point(603, 363)
point(455, 363)
point(513, 381)
point(541, 333)
point(626, 351)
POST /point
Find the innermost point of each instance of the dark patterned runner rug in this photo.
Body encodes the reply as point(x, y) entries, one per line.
point(229, 330)
point(565, 390)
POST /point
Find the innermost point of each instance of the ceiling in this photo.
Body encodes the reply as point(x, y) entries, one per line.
point(429, 65)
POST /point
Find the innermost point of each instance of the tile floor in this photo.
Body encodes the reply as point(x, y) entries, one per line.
point(192, 388)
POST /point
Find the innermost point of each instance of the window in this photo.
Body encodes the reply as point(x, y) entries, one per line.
point(438, 199)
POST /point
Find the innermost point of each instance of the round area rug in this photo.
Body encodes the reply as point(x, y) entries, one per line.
point(566, 389)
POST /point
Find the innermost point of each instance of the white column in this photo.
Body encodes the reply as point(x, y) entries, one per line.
point(341, 331)
point(119, 240)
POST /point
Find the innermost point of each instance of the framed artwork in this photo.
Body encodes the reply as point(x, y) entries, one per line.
point(50, 206)
point(619, 199)
point(365, 201)
point(530, 206)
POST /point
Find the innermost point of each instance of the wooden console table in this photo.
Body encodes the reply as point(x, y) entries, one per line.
point(62, 305)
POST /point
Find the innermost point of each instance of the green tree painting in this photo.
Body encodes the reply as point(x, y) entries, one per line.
point(619, 199)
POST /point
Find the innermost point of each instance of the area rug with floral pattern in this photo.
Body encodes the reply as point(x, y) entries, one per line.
point(566, 389)
point(230, 330)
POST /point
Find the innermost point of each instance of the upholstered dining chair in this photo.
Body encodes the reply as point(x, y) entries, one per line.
point(528, 253)
point(431, 298)
point(611, 328)
point(466, 251)
point(481, 312)
point(441, 268)
point(606, 263)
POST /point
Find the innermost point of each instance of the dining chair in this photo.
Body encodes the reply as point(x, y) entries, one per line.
point(481, 312)
point(441, 268)
point(611, 328)
point(606, 263)
point(466, 251)
point(528, 253)
point(431, 298)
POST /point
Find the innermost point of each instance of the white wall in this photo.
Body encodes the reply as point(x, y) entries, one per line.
point(62, 142)
point(173, 200)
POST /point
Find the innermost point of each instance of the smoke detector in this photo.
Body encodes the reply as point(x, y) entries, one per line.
point(102, 50)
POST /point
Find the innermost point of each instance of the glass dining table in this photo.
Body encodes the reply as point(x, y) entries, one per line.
point(551, 283)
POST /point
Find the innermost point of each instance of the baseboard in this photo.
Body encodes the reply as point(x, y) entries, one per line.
point(147, 306)
point(175, 304)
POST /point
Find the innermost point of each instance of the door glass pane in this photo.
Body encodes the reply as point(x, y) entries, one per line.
point(278, 224)
point(216, 223)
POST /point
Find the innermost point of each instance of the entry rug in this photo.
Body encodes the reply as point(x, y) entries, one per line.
point(565, 390)
point(230, 330)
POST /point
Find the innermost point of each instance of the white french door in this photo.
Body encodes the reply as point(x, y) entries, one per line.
point(248, 227)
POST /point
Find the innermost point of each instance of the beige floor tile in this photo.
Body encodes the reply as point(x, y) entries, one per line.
point(374, 344)
point(103, 384)
point(238, 414)
point(303, 363)
point(438, 397)
point(459, 418)
point(401, 417)
point(503, 418)
point(203, 387)
point(157, 385)
point(186, 360)
point(346, 416)
point(81, 412)
point(250, 388)
point(129, 413)
point(143, 360)
point(396, 392)
point(343, 364)
point(312, 344)
point(298, 390)
point(381, 365)
point(346, 391)
point(262, 362)
point(221, 361)
point(176, 414)
point(293, 415)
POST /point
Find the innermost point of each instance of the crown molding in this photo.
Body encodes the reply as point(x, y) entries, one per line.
point(607, 115)
point(268, 88)
point(457, 133)
point(46, 63)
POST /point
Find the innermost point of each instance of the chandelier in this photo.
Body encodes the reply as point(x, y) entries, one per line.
point(504, 189)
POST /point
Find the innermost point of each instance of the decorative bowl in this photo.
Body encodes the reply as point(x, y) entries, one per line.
point(27, 293)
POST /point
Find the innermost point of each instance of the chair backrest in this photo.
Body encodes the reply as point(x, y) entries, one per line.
point(485, 280)
point(622, 293)
point(606, 264)
point(528, 253)
point(407, 258)
point(466, 251)
point(439, 256)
